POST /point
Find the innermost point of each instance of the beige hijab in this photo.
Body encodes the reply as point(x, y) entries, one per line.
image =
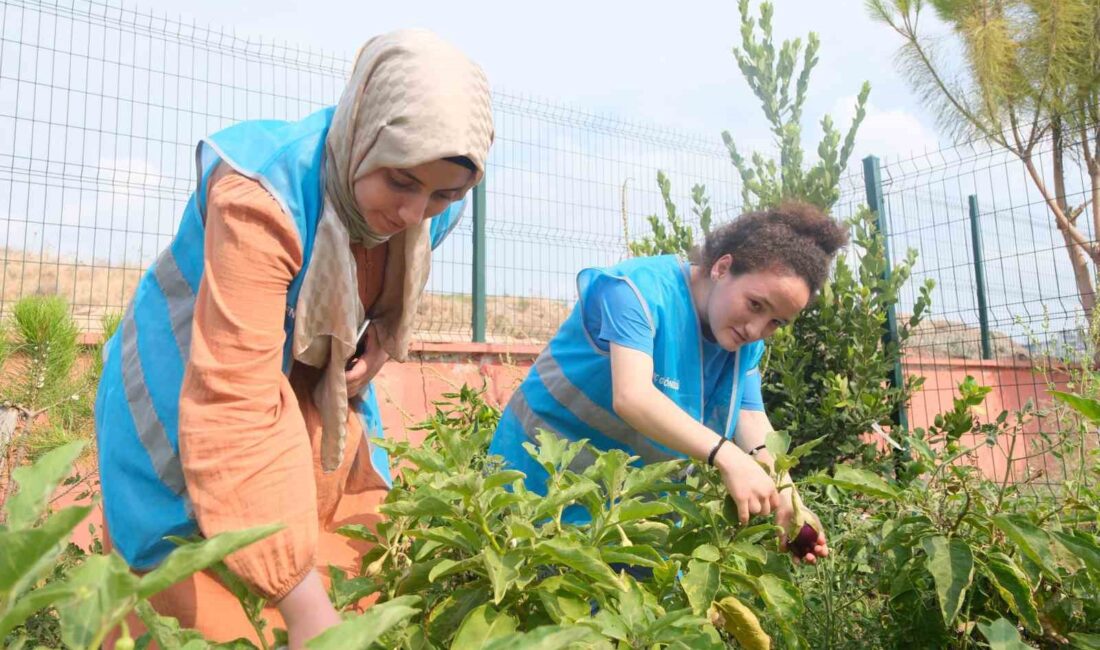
point(412, 99)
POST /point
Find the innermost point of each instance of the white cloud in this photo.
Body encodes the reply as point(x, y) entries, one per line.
point(890, 134)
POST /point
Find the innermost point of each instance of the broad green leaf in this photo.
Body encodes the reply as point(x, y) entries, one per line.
point(501, 501)
point(365, 629)
point(806, 447)
point(672, 625)
point(197, 556)
point(753, 533)
point(1085, 641)
point(1002, 635)
point(1081, 546)
point(951, 564)
point(31, 602)
point(856, 480)
point(1032, 541)
point(446, 616)
point(446, 536)
point(611, 625)
point(420, 506)
point(1089, 408)
point(502, 571)
point(346, 591)
point(481, 626)
point(549, 505)
point(415, 578)
point(583, 559)
point(1012, 584)
point(501, 479)
point(634, 510)
point(357, 531)
point(37, 483)
point(547, 637)
point(700, 584)
point(563, 606)
point(103, 591)
point(777, 442)
point(707, 553)
point(633, 555)
point(784, 602)
point(448, 567)
point(782, 598)
point(166, 631)
point(27, 554)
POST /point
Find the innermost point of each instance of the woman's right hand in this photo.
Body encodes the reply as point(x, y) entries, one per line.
point(307, 611)
point(752, 490)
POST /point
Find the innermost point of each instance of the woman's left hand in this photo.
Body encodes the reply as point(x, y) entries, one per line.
point(366, 366)
point(784, 516)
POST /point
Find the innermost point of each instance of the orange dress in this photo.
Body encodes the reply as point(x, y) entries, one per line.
point(250, 435)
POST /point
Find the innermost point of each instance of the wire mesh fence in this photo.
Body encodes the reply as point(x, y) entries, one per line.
point(101, 107)
point(1007, 308)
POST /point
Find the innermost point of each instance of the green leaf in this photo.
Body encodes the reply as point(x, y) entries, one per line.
point(347, 591)
point(707, 553)
point(782, 598)
point(165, 630)
point(1002, 635)
point(1085, 641)
point(197, 556)
point(634, 510)
point(583, 559)
point(31, 602)
point(548, 637)
point(700, 584)
point(556, 499)
point(447, 616)
point(807, 447)
point(783, 601)
point(1081, 546)
point(777, 442)
point(856, 480)
point(611, 625)
point(1032, 541)
point(448, 567)
point(481, 626)
point(37, 483)
point(564, 607)
point(103, 591)
point(1012, 584)
point(29, 553)
point(421, 506)
point(502, 478)
point(367, 628)
point(1089, 408)
point(633, 555)
point(502, 571)
point(951, 564)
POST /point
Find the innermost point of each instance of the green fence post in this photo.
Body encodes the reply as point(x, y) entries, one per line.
point(872, 180)
point(979, 277)
point(478, 302)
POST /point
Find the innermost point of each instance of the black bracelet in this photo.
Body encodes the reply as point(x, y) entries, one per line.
point(714, 452)
point(757, 448)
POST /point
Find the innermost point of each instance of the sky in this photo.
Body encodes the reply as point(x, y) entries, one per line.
point(100, 155)
point(658, 62)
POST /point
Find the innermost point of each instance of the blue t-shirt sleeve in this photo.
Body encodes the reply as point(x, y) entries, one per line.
point(752, 399)
point(614, 313)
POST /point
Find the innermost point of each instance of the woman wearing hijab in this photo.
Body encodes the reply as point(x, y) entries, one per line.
point(237, 390)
